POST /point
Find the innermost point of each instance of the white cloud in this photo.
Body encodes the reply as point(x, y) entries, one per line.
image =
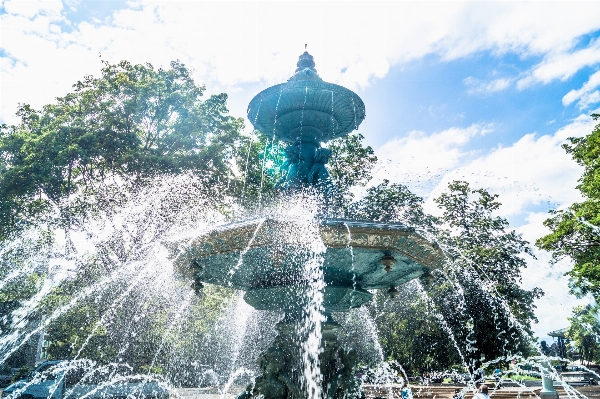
point(232, 43)
point(532, 171)
point(587, 95)
point(562, 65)
point(480, 87)
point(425, 158)
point(31, 8)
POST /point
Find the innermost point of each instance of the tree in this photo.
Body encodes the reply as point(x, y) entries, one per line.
point(471, 309)
point(89, 155)
point(112, 134)
point(350, 166)
point(101, 328)
point(574, 231)
point(13, 294)
point(392, 203)
point(23, 267)
point(258, 160)
point(410, 332)
point(485, 263)
point(584, 332)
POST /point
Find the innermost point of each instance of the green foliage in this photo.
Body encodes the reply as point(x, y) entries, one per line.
point(392, 202)
point(258, 160)
point(584, 332)
point(21, 374)
point(86, 157)
point(101, 327)
point(131, 124)
point(21, 289)
point(351, 162)
point(22, 266)
point(350, 165)
point(411, 334)
point(479, 239)
point(476, 297)
point(486, 261)
point(574, 231)
point(575, 235)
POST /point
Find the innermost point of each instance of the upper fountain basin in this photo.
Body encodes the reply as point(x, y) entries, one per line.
point(262, 256)
point(306, 108)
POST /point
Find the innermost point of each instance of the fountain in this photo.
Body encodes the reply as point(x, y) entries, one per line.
point(294, 261)
point(307, 268)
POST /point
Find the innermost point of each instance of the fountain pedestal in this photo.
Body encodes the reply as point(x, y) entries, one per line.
point(282, 369)
point(548, 391)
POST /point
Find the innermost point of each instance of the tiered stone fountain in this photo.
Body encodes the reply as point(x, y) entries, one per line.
point(266, 257)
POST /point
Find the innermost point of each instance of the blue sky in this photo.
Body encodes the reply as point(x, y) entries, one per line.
point(483, 91)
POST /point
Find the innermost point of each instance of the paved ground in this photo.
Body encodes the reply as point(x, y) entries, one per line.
point(205, 393)
point(446, 392)
point(419, 392)
point(393, 392)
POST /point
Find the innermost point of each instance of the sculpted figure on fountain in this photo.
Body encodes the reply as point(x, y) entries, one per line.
point(318, 173)
point(306, 171)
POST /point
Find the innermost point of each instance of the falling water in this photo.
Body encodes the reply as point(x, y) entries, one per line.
point(264, 160)
point(303, 211)
point(440, 318)
point(247, 163)
point(135, 244)
point(147, 262)
point(303, 107)
point(360, 334)
point(311, 326)
point(332, 118)
point(349, 246)
point(180, 312)
point(245, 250)
point(241, 313)
point(354, 108)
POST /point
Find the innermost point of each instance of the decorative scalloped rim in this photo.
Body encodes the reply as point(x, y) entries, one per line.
point(236, 237)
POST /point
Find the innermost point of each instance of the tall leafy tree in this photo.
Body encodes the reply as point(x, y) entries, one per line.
point(392, 202)
point(258, 160)
point(485, 267)
point(87, 155)
point(471, 309)
point(111, 134)
point(575, 231)
point(584, 332)
point(350, 166)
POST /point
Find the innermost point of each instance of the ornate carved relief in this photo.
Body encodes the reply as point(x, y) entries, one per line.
point(393, 237)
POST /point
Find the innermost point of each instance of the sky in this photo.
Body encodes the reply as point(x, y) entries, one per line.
point(485, 92)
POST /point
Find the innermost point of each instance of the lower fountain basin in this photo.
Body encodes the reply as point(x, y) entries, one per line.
point(268, 258)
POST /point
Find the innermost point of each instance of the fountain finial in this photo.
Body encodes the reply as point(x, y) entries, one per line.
point(306, 61)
